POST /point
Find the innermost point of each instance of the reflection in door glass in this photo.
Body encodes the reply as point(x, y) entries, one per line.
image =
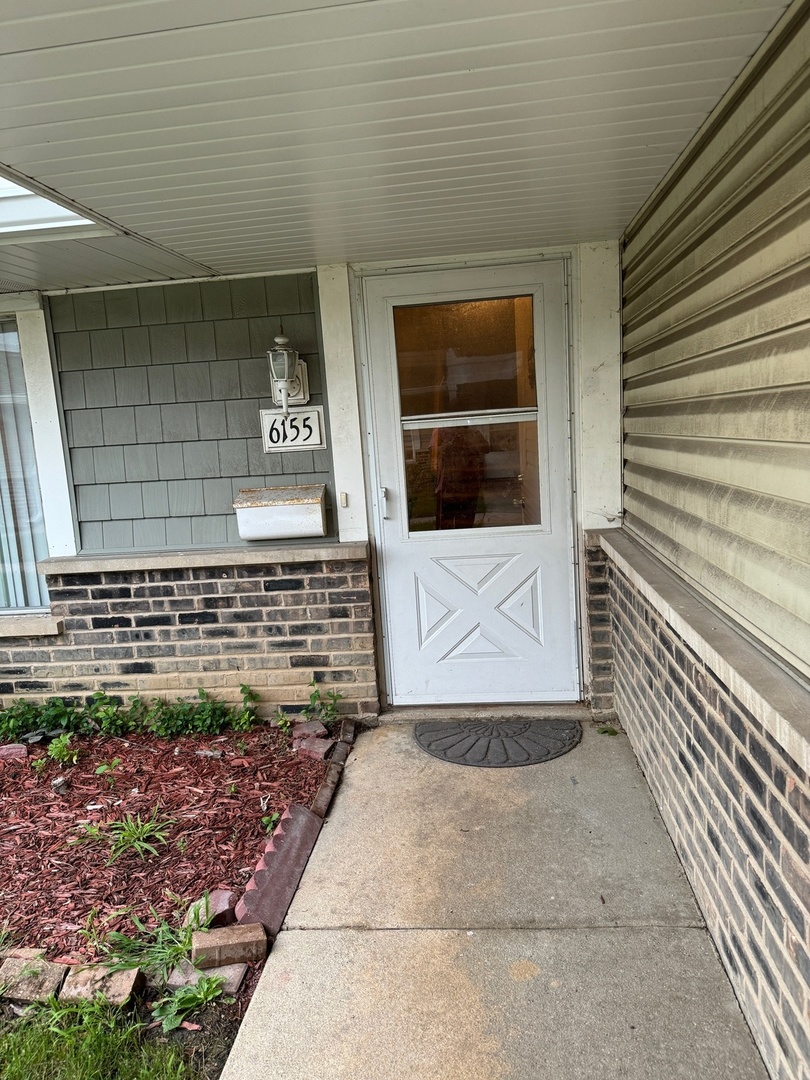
point(466, 356)
point(467, 476)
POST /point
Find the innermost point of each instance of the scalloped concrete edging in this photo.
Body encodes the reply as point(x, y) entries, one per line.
point(269, 892)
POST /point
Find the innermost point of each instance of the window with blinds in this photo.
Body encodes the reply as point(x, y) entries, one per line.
point(22, 532)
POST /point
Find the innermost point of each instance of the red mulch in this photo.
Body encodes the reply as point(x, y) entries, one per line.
point(48, 887)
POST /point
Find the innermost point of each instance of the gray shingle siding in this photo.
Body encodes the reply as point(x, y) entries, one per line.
point(161, 389)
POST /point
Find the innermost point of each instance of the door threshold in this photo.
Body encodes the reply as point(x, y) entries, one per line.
point(415, 714)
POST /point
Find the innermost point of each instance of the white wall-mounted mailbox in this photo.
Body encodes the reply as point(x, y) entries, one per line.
point(281, 513)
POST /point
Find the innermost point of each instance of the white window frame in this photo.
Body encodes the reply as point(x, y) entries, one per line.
point(49, 449)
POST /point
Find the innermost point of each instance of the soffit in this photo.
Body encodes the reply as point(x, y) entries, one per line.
point(259, 135)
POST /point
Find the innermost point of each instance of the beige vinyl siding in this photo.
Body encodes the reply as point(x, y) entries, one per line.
point(716, 294)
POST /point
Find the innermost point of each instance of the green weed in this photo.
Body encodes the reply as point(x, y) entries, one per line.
point(156, 950)
point(6, 936)
point(129, 834)
point(322, 708)
point(89, 832)
point(138, 835)
point(62, 751)
point(107, 770)
point(271, 821)
point(175, 1007)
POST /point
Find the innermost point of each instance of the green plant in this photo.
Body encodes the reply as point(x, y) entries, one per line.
point(245, 719)
point(205, 716)
point(89, 831)
point(62, 751)
point(174, 1008)
point(281, 720)
point(6, 936)
point(156, 950)
point(128, 834)
point(606, 729)
point(33, 721)
point(271, 821)
point(320, 708)
point(137, 834)
point(85, 1040)
point(39, 765)
point(107, 770)
point(181, 844)
point(108, 716)
point(232, 788)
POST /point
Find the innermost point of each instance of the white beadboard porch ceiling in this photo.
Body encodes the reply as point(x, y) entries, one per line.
point(258, 135)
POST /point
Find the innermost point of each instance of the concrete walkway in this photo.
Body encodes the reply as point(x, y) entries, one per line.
point(493, 924)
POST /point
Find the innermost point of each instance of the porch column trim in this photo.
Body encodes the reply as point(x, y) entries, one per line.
point(343, 401)
point(598, 388)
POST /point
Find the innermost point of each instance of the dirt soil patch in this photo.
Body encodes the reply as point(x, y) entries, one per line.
point(216, 789)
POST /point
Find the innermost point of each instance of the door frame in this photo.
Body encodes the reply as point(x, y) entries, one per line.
point(575, 541)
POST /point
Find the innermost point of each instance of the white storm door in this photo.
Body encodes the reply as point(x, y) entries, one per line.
point(469, 402)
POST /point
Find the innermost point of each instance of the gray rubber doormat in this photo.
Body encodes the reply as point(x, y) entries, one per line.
point(498, 744)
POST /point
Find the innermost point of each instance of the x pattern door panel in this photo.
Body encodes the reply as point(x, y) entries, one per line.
point(473, 608)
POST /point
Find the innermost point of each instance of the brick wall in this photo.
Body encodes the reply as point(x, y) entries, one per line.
point(738, 810)
point(599, 632)
point(161, 630)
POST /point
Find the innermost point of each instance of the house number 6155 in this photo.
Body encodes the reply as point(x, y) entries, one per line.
point(301, 429)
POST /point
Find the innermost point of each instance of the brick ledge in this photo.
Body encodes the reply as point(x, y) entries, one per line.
point(199, 557)
point(780, 703)
point(14, 626)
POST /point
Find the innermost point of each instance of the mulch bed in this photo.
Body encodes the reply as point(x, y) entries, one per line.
point(217, 789)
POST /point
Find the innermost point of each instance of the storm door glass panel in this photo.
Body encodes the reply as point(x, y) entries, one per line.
point(465, 356)
point(22, 532)
point(468, 398)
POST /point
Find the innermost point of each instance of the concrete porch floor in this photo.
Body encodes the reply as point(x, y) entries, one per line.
point(493, 924)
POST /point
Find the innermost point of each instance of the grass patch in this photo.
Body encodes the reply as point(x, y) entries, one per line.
point(85, 1041)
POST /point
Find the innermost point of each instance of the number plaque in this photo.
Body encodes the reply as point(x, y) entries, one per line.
point(301, 429)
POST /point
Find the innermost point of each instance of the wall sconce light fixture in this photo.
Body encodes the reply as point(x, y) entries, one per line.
point(289, 381)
